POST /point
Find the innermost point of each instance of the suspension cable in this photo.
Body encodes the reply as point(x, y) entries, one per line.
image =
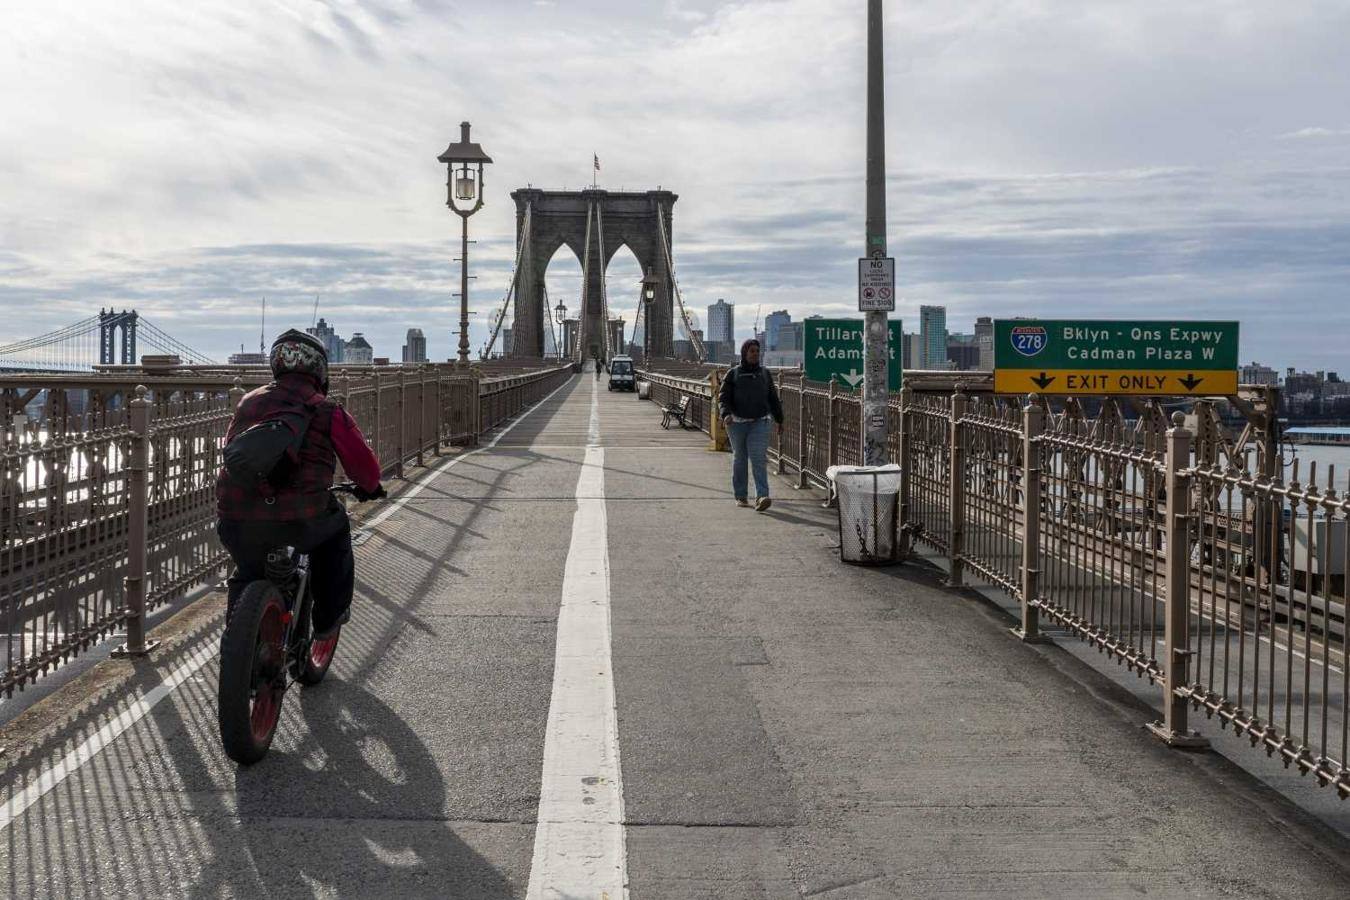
point(84, 326)
point(512, 288)
point(694, 340)
point(162, 340)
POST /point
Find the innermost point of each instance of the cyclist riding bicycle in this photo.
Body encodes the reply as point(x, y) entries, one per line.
point(293, 507)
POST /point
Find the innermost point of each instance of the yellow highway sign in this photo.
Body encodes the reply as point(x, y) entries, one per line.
point(1199, 382)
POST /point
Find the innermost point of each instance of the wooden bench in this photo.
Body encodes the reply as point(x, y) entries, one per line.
point(676, 412)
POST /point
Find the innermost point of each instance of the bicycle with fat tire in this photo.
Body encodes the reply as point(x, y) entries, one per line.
point(268, 646)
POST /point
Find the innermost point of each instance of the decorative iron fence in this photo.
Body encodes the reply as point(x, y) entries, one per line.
point(107, 492)
point(1168, 544)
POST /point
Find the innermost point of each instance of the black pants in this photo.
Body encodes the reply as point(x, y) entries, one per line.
point(328, 541)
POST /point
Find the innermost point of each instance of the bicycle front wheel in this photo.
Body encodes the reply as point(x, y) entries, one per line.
point(252, 673)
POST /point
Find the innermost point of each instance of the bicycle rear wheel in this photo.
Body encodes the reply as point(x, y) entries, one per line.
point(252, 673)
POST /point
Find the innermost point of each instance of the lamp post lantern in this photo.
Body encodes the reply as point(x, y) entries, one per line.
point(464, 195)
point(649, 283)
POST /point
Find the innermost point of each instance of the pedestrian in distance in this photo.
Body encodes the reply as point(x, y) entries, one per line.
point(749, 407)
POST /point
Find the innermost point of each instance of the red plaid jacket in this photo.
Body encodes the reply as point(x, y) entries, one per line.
point(306, 495)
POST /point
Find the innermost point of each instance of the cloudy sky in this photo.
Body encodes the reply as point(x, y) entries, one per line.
point(1078, 158)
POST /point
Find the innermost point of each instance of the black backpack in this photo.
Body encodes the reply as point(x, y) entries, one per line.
point(266, 455)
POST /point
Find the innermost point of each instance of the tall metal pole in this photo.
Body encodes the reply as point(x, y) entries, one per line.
point(464, 291)
point(876, 333)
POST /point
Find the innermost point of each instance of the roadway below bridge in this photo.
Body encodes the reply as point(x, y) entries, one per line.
point(575, 665)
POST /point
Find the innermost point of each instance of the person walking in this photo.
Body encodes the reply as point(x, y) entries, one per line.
point(748, 403)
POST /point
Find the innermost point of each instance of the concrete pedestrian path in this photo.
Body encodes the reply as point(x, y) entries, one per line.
point(574, 664)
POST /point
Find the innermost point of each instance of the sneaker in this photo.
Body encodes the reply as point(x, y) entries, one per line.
point(763, 503)
point(333, 629)
point(741, 501)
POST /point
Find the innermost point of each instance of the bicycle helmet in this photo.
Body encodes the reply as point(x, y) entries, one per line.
point(295, 351)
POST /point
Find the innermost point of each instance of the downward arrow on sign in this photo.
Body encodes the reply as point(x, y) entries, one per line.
point(1190, 381)
point(1043, 381)
point(852, 377)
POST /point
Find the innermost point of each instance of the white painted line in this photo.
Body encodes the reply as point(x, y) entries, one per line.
point(579, 843)
point(72, 761)
point(139, 708)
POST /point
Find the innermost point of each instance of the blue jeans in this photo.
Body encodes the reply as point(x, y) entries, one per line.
point(750, 441)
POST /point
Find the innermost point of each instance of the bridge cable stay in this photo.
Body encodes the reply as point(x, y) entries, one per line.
point(604, 293)
point(585, 285)
point(694, 340)
point(513, 287)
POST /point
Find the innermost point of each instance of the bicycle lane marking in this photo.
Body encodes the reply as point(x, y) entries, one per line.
point(138, 708)
point(579, 842)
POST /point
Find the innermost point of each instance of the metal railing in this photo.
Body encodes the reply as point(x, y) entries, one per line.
point(107, 489)
point(1168, 545)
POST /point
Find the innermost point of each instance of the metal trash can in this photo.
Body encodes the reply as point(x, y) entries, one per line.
point(644, 390)
point(869, 511)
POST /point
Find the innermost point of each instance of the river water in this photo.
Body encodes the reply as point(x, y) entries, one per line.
point(1324, 456)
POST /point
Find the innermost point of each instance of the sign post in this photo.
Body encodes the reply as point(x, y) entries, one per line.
point(832, 350)
point(876, 359)
point(1059, 356)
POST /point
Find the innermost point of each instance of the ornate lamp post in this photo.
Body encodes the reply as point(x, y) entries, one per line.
point(649, 283)
point(560, 316)
point(464, 195)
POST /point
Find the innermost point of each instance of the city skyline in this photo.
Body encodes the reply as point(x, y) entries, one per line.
point(1016, 194)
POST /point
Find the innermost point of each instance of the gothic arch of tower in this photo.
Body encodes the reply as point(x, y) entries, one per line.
point(593, 223)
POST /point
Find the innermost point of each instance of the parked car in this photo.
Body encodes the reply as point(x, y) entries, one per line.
point(621, 374)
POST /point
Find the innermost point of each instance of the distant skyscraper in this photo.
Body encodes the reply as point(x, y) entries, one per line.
point(331, 341)
point(508, 341)
point(722, 321)
point(963, 351)
point(1255, 373)
point(773, 324)
point(358, 351)
point(933, 332)
point(415, 346)
point(912, 351)
point(790, 336)
point(984, 337)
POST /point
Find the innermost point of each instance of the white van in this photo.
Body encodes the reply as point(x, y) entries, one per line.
point(622, 376)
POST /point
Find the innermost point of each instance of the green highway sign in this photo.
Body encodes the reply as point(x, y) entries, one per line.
point(834, 351)
point(1084, 356)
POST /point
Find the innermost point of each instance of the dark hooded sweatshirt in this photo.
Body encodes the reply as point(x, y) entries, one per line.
point(748, 392)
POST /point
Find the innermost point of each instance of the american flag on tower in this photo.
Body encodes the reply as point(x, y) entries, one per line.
point(597, 162)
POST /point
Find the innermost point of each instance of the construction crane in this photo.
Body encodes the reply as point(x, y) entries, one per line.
point(755, 330)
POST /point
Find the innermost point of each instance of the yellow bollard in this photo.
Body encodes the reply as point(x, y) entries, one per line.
point(718, 444)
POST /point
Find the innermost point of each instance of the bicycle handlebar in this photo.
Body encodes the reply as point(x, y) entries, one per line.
point(348, 487)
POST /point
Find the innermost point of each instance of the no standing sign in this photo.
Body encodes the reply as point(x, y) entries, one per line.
point(876, 284)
